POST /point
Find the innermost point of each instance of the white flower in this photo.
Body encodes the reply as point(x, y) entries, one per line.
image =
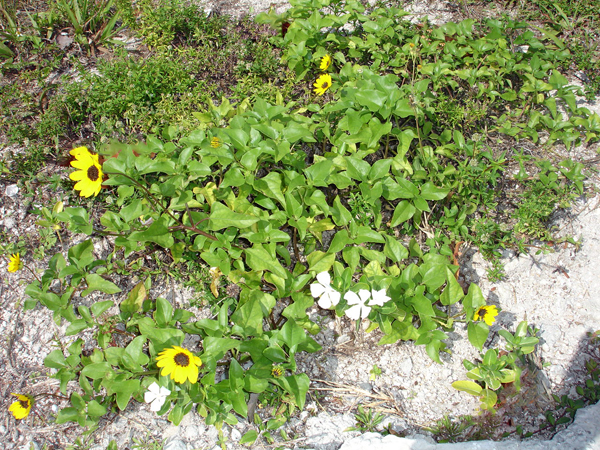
point(379, 298)
point(360, 310)
point(156, 396)
point(327, 295)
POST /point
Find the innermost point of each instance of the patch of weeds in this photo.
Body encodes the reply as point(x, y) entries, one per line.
point(366, 421)
point(450, 429)
point(576, 24)
point(553, 187)
point(361, 210)
point(148, 443)
point(31, 160)
point(94, 22)
point(163, 24)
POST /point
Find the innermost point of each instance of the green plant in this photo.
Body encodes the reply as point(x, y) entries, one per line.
point(364, 189)
point(93, 21)
point(366, 421)
point(148, 443)
point(497, 368)
point(449, 429)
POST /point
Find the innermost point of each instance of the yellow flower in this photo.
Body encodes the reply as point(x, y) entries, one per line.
point(15, 263)
point(215, 142)
point(325, 62)
point(180, 363)
point(20, 409)
point(89, 176)
point(322, 84)
point(276, 371)
point(487, 313)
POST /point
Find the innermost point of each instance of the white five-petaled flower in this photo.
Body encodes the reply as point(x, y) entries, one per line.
point(378, 298)
point(360, 310)
point(156, 396)
point(327, 295)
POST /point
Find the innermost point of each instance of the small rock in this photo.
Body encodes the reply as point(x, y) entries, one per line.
point(343, 339)
point(365, 386)
point(175, 444)
point(235, 435)
point(12, 190)
point(9, 223)
point(31, 445)
point(406, 366)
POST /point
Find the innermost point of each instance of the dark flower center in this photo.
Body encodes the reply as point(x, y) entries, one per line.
point(24, 404)
point(325, 85)
point(181, 359)
point(92, 173)
point(483, 312)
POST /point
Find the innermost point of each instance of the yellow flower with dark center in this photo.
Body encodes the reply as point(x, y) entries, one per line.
point(487, 313)
point(277, 371)
point(322, 84)
point(15, 263)
point(21, 408)
point(179, 363)
point(89, 176)
point(215, 142)
point(325, 62)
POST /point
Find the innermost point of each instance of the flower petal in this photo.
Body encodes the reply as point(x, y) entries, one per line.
point(334, 296)
point(325, 302)
point(324, 278)
point(352, 298)
point(364, 295)
point(316, 290)
point(354, 312)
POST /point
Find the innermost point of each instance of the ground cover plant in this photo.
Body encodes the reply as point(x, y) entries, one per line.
point(351, 180)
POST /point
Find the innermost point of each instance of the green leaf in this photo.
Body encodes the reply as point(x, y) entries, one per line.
point(124, 391)
point(297, 310)
point(55, 360)
point(135, 299)
point(99, 307)
point(258, 258)
point(157, 232)
point(367, 234)
point(275, 354)
point(217, 346)
point(469, 387)
point(430, 192)
point(488, 399)
point(81, 254)
point(249, 437)
point(434, 275)
point(239, 138)
point(164, 312)
point(293, 335)
point(223, 217)
point(176, 415)
point(77, 326)
point(96, 371)
point(351, 256)
point(341, 215)
point(320, 262)
point(358, 169)
point(404, 211)
point(394, 249)
point(135, 351)
point(97, 283)
point(453, 291)
point(340, 241)
point(95, 409)
point(297, 385)
point(473, 300)
point(478, 333)
point(422, 305)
